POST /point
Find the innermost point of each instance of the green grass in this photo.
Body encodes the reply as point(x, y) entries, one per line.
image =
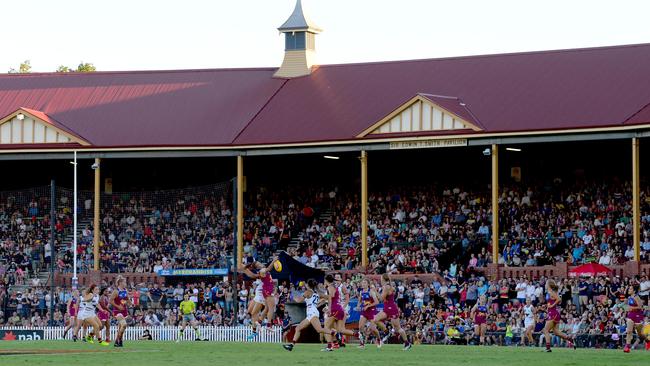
point(243, 354)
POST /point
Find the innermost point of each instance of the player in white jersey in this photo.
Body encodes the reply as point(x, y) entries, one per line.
point(312, 300)
point(88, 313)
point(259, 292)
point(529, 322)
point(256, 308)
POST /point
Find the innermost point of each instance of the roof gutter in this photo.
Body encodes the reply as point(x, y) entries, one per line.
point(603, 133)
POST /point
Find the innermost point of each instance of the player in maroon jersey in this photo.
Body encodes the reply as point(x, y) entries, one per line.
point(104, 313)
point(479, 315)
point(73, 310)
point(267, 287)
point(554, 318)
point(120, 303)
point(336, 316)
point(368, 301)
point(634, 319)
point(391, 312)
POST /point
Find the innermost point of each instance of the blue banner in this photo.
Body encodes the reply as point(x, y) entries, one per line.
point(194, 272)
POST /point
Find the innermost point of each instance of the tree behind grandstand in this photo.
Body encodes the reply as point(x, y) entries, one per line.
point(26, 67)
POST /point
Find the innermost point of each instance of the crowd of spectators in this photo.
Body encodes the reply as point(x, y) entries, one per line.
point(153, 304)
point(143, 233)
point(593, 309)
point(412, 229)
point(439, 311)
point(25, 235)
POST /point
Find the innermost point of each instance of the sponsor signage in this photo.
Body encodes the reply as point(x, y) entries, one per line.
point(424, 144)
point(21, 335)
point(194, 272)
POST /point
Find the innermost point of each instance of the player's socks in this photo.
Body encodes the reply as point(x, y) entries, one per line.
point(548, 347)
point(572, 343)
point(627, 348)
point(328, 348)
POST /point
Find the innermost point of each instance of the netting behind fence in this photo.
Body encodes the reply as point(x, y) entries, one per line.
point(25, 232)
point(140, 231)
point(189, 227)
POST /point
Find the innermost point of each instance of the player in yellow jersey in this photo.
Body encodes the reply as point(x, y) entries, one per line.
point(186, 311)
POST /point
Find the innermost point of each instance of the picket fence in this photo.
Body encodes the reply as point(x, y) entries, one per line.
point(166, 333)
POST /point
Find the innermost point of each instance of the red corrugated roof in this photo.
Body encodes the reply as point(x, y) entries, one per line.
point(568, 89)
point(642, 116)
point(193, 107)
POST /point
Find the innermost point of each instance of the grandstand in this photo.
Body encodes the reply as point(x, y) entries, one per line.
point(394, 167)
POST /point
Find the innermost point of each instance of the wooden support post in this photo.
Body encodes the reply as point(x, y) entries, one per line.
point(240, 210)
point(364, 209)
point(495, 203)
point(636, 200)
point(96, 222)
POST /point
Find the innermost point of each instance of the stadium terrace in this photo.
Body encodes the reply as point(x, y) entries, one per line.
point(488, 200)
point(493, 102)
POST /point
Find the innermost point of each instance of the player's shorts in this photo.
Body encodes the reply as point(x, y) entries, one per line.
point(267, 292)
point(311, 315)
point(554, 315)
point(72, 312)
point(369, 313)
point(122, 312)
point(83, 315)
point(189, 318)
point(392, 312)
point(337, 313)
point(529, 323)
point(635, 316)
point(259, 298)
point(480, 320)
point(103, 316)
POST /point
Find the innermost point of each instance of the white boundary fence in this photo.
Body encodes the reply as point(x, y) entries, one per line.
point(165, 333)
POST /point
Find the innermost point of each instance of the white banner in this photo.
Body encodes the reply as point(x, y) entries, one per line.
point(213, 334)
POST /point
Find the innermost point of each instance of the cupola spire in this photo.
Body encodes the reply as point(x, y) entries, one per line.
point(299, 44)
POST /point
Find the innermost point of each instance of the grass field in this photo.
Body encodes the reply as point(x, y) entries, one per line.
point(243, 354)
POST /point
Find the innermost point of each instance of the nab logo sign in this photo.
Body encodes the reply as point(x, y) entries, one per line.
point(21, 335)
point(29, 337)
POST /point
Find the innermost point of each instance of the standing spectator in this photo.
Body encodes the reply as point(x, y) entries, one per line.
point(156, 295)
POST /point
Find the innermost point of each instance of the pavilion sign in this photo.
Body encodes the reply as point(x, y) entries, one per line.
point(423, 144)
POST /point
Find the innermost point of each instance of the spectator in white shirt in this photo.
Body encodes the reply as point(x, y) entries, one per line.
point(605, 259)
